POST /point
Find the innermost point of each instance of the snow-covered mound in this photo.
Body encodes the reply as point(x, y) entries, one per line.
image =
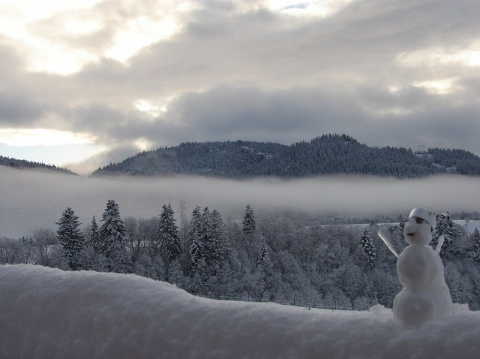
point(49, 313)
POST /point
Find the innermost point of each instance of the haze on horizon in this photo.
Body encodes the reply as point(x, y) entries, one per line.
point(93, 82)
point(33, 200)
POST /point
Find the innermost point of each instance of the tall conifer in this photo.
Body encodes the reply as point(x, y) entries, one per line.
point(368, 248)
point(113, 241)
point(249, 224)
point(70, 237)
point(167, 235)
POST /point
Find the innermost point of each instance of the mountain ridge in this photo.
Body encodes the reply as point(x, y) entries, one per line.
point(323, 155)
point(24, 164)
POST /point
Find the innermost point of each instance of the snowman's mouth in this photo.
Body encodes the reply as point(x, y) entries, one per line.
point(411, 234)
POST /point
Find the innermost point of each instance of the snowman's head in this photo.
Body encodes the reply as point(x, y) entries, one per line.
point(419, 227)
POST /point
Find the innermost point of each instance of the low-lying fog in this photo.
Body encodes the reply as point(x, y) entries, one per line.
point(32, 200)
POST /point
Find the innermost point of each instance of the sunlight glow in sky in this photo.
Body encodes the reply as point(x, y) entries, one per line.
point(146, 106)
point(440, 87)
point(38, 27)
point(42, 137)
point(431, 56)
point(138, 33)
point(19, 22)
point(320, 8)
point(61, 147)
point(143, 144)
point(46, 54)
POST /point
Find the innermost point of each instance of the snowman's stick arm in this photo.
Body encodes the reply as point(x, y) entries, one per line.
point(440, 243)
point(388, 243)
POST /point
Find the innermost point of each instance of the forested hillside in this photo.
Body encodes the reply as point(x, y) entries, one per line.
point(23, 164)
point(328, 154)
point(278, 257)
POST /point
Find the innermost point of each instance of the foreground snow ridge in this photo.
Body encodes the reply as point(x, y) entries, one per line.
point(49, 313)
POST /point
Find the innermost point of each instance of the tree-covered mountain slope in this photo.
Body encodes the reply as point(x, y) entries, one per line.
point(328, 154)
point(29, 165)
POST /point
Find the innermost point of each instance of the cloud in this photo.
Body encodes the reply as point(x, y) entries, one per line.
point(376, 116)
point(236, 70)
point(17, 109)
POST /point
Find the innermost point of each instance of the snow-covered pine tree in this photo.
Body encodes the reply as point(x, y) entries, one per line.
point(92, 257)
point(70, 237)
point(94, 237)
point(368, 248)
point(167, 235)
point(210, 247)
point(207, 237)
point(249, 224)
point(183, 228)
point(263, 257)
point(476, 245)
point(222, 247)
point(175, 274)
point(196, 245)
point(113, 242)
point(445, 227)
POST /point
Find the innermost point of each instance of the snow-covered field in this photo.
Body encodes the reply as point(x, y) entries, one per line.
point(49, 313)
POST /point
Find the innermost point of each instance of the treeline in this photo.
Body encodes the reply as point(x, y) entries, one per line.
point(276, 258)
point(463, 162)
point(324, 155)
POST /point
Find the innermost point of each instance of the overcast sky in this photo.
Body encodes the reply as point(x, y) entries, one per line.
point(84, 83)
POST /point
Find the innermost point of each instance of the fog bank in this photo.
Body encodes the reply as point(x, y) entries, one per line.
point(33, 200)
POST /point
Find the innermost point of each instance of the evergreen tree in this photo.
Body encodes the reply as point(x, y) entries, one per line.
point(221, 244)
point(183, 230)
point(94, 240)
point(210, 247)
point(205, 243)
point(70, 237)
point(368, 248)
point(445, 227)
point(113, 241)
point(196, 244)
point(263, 257)
point(92, 257)
point(167, 235)
point(476, 245)
point(249, 224)
point(206, 236)
point(175, 274)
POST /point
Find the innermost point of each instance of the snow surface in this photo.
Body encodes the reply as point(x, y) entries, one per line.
point(49, 313)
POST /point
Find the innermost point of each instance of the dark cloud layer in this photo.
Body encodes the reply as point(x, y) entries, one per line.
point(243, 71)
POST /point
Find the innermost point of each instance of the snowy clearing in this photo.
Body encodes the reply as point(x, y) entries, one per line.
point(49, 313)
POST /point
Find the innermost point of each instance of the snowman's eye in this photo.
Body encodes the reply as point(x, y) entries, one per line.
point(419, 220)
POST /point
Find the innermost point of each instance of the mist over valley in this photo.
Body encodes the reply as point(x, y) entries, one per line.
point(31, 200)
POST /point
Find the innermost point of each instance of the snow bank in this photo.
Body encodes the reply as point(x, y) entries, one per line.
point(49, 313)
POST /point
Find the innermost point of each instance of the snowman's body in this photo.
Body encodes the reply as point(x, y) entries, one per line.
point(425, 295)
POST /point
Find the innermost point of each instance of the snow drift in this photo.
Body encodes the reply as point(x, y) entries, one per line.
point(49, 313)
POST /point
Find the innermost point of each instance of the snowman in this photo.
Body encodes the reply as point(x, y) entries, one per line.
point(425, 295)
